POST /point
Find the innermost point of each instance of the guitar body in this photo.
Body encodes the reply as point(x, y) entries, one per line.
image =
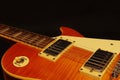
point(40, 68)
point(66, 67)
point(18, 47)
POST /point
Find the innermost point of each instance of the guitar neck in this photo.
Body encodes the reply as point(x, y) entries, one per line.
point(20, 35)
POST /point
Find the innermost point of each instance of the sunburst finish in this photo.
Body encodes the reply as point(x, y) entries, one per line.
point(66, 67)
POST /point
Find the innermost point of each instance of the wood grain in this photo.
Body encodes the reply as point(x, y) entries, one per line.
point(65, 68)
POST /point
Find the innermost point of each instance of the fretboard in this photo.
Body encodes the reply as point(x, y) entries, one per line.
point(25, 36)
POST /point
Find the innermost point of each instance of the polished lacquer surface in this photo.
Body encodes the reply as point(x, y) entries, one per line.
point(25, 61)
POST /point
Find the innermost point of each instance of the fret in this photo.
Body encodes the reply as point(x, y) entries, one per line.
point(4, 29)
point(47, 41)
point(39, 38)
point(16, 34)
point(9, 32)
point(33, 39)
point(42, 41)
point(25, 36)
point(29, 38)
point(21, 35)
point(38, 42)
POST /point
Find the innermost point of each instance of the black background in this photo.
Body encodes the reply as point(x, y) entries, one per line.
point(95, 19)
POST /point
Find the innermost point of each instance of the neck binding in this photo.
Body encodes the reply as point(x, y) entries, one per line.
point(21, 35)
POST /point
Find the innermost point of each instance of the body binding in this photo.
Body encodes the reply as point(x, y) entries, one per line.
point(67, 67)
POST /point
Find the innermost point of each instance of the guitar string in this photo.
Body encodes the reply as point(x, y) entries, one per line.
point(28, 36)
point(6, 29)
point(110, 68)
point(43, 40)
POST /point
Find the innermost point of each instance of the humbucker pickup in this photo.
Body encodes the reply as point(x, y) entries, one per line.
point(99, 60)
point(97, 63)
point(54, 50)
point(57, 47)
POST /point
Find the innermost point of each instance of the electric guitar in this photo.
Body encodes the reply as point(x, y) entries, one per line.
point(69, 56)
